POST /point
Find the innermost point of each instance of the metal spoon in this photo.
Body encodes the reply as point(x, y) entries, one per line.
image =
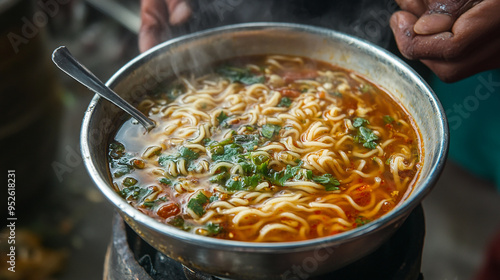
point(69, 65)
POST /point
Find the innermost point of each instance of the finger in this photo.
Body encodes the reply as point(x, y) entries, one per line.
point(154, 26)
point(179, 11)
point(440, 16)
point(433, 23)
point(475, 28)
point(413, 46)
point(483, 57)
point(416, 7)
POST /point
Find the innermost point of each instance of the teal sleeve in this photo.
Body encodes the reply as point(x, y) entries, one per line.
point(473, 110)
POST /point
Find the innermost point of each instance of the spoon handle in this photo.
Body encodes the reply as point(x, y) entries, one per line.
point(68, 64)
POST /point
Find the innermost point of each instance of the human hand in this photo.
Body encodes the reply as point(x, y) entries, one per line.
point(156, 18)
point(454, 38)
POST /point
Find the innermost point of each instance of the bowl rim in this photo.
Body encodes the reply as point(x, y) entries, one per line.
point(223, 244)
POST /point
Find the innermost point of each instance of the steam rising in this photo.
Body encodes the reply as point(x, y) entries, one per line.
point(367, 19)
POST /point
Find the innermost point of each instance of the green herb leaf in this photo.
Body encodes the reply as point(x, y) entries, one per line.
point(285, 102)
point(358, 122)
point(231, 152)
point(327, 180)
point(188, 154)
point(165, 181)
point(360, 220)
point(234, 184)
point(197, 203)
point(269, 130)
point(179, 222)
point(219, 178)
point(214, 229)
point(388, 119)
point(129, 181)
point(122, 170)
point(240, 75)
point(252, 181)
point(366, 137)
point(337, 94)
point(238, 183)
point(370, 145)
point(120, 161)
point(221, 118)
point(367, 134)
point(208, 141)
point(247, 141)
point(150, 204)
point(136, 192)
point(184, 153)
point(116, 150)
point(279, 178)
point(304, 174)
point(214, 198)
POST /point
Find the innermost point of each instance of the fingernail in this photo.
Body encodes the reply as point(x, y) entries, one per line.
point(180, 13)
point(433, 23)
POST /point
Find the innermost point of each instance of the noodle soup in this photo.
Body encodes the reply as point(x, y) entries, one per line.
point(267, 149)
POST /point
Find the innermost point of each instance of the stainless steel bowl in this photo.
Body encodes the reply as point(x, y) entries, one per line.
point(245, 260)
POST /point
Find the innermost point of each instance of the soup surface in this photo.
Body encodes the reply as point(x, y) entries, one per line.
point(266, 149)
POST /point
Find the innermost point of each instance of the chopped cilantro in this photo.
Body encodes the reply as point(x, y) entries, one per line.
point(279, 178)
point(234, 184)
point(196, 203)
point(214, 229)
point(370, 145)
point(219, 178)
point(240, 75)
point(119, 160)
point(136, 192)
point(116, 150)
point(120, 171)
point(214, 198)
point(188, 154)
point(269, 130)
point(231, 151)
point(358, 122)
point(221, 118)
point(327, 180)
point(238, 183)
point(388, 119)
point(250, 128)
point(285, 102)
point(179, 222)
point(360, 221)
point(184, 153)
point(247, 141)
point(365, 135)
point(337, 94)
point(150, 204)
point(304, 174)
point(129, 181)
point(165, 181)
